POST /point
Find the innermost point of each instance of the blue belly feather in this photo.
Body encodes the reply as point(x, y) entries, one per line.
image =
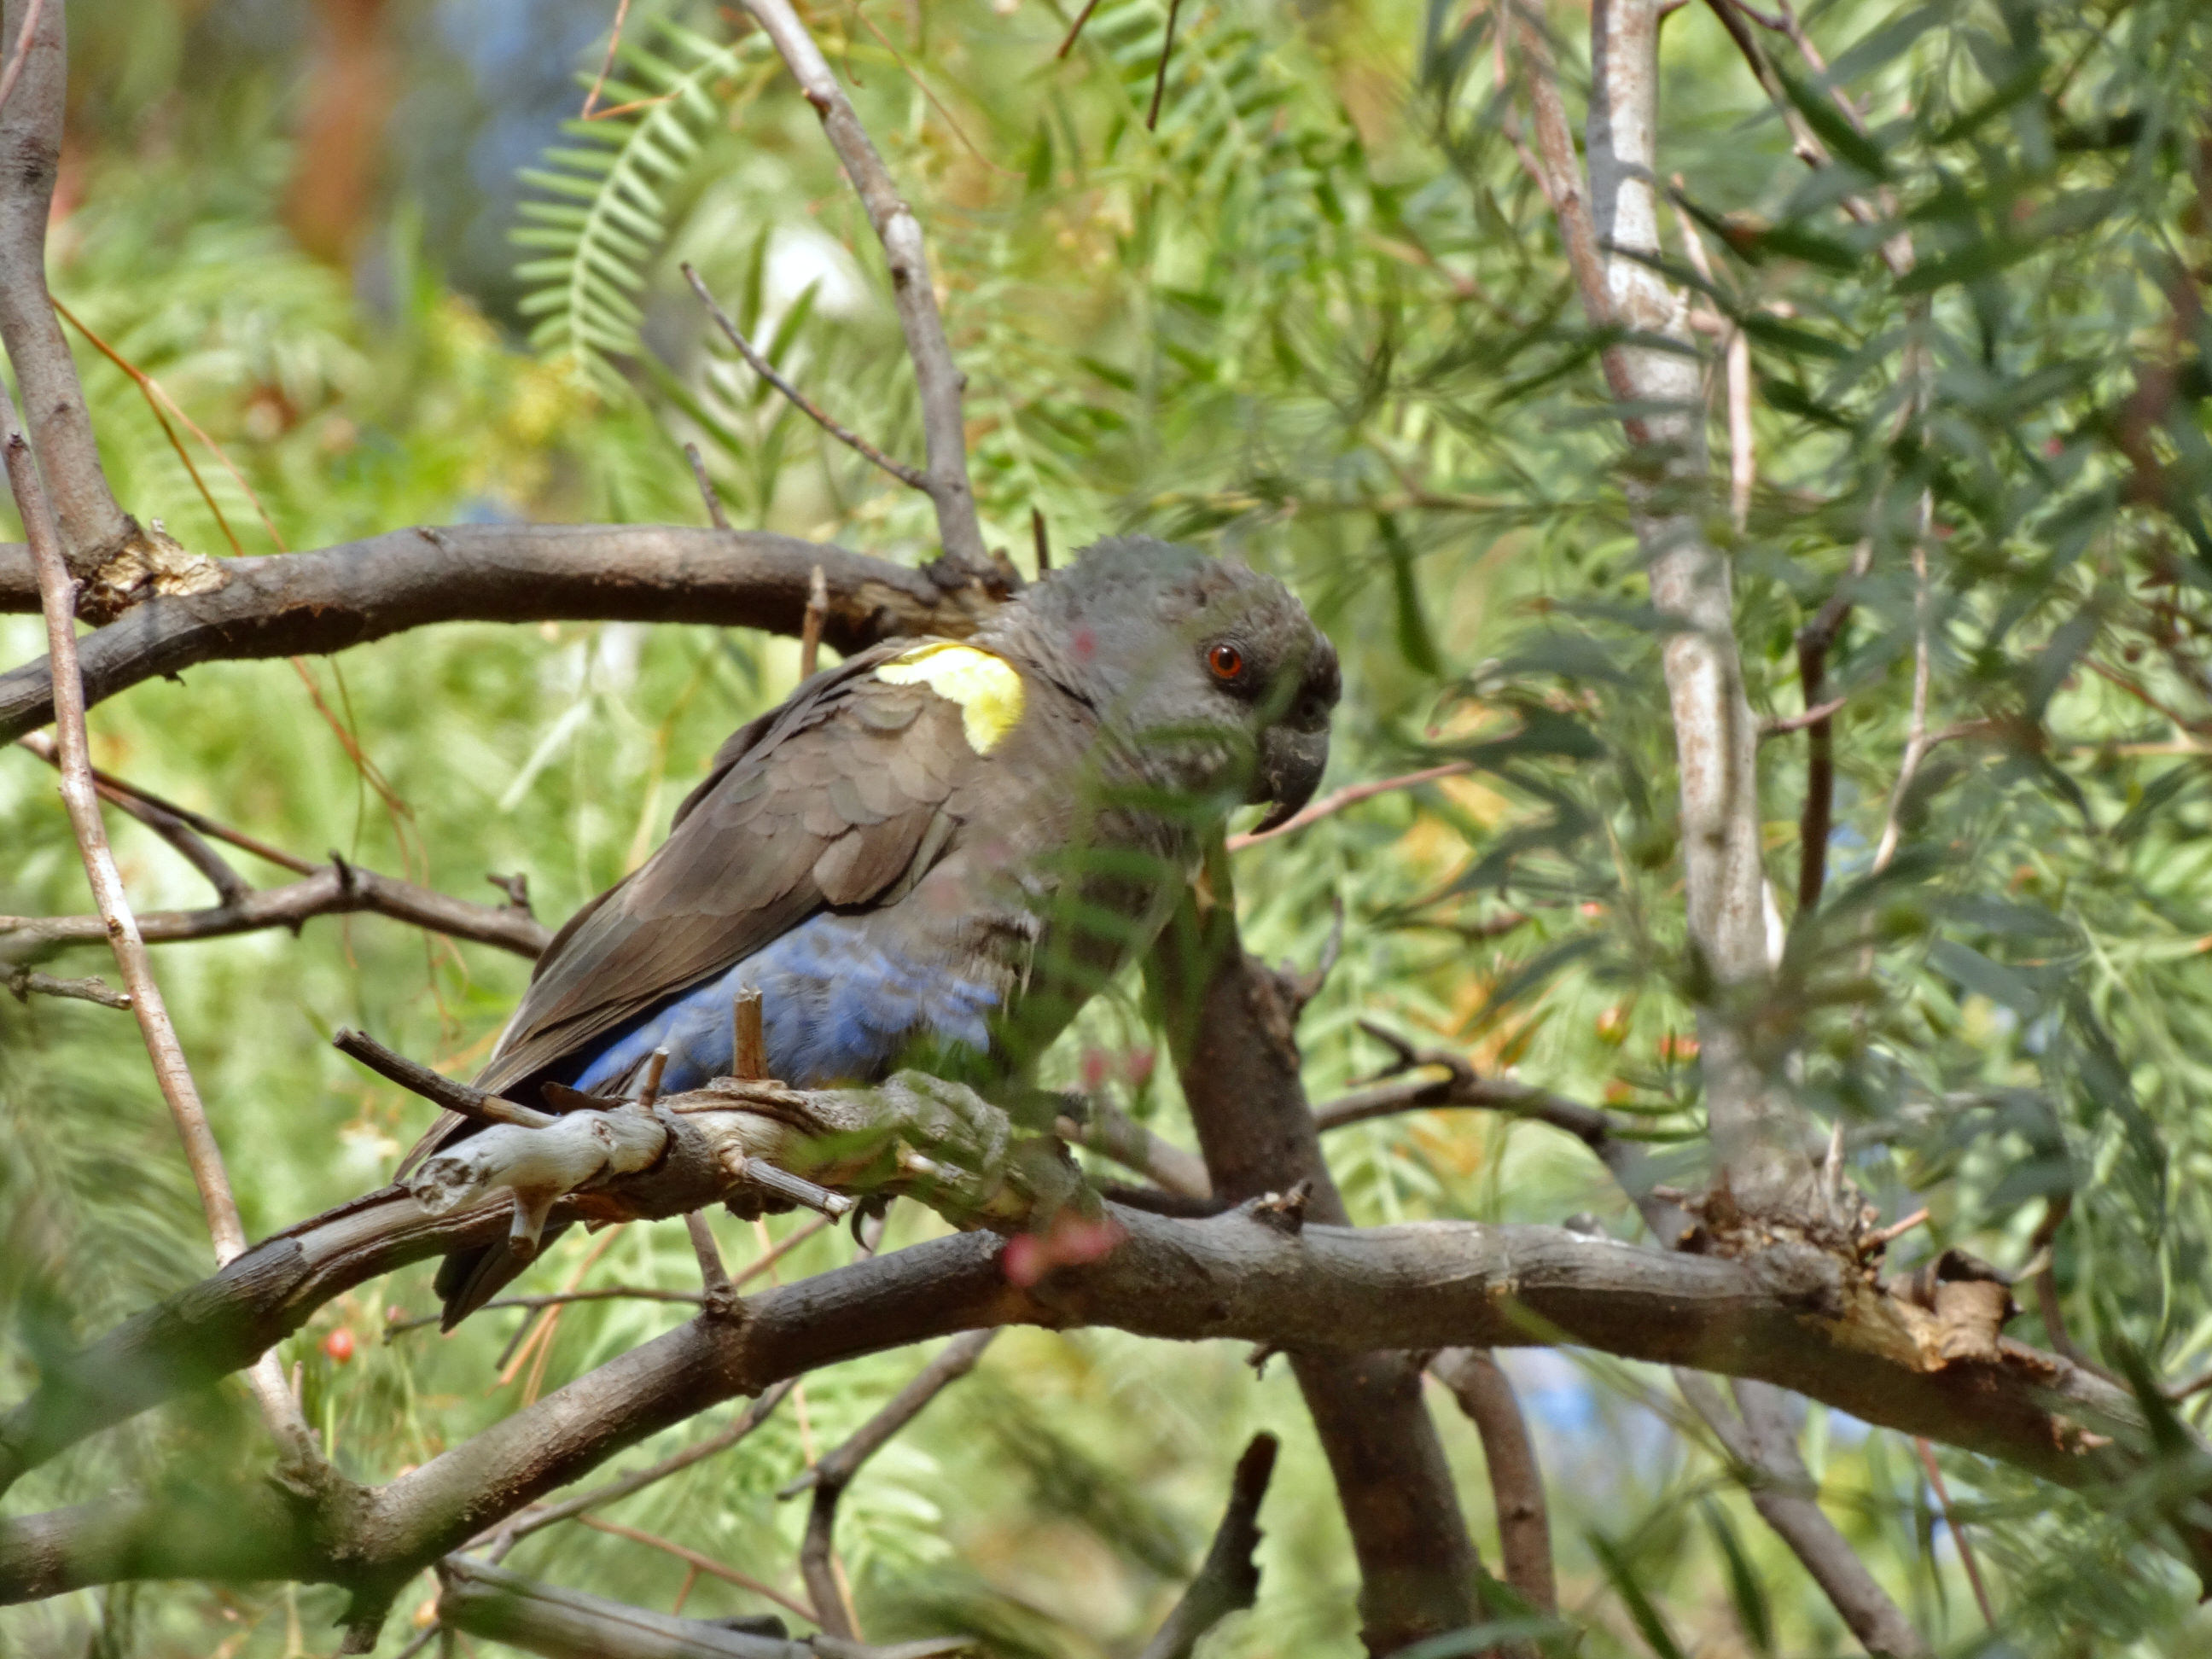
point(836, 1007)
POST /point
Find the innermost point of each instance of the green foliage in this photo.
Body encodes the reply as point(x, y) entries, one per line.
point(1320, 318)
point(609, 212)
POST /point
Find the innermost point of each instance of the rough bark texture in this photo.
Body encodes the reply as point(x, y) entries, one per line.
point(1791, 1316)
point(1232, 1028)
point(289, 605)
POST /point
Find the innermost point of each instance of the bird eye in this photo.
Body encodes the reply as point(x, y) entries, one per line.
point(1226, 661)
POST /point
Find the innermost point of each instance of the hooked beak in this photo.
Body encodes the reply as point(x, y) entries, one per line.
point(1291, 765)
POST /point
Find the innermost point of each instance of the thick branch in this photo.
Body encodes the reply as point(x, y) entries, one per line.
point(937, 376)
point(1230, 1025)
point(313, 603)
point(1791, 1316)
point(1227, 1580)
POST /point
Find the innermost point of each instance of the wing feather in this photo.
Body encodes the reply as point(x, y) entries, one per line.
point(828, 802)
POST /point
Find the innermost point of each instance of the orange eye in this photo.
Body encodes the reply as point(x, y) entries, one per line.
point(1226, 661)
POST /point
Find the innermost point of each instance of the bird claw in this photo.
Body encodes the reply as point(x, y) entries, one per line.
point(961, 1154)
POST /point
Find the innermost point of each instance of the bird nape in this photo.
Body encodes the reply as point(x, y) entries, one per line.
point(933, 852)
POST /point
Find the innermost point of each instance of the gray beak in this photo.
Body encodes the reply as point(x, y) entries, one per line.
point(1291, 765)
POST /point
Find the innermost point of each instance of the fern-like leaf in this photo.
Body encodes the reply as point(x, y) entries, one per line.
point(608, 211)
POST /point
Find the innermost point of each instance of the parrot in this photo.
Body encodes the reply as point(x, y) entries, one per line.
point(934, 852)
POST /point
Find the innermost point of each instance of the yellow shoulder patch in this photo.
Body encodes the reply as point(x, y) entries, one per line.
point(987, 688)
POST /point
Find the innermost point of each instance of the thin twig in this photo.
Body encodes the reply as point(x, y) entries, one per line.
point(956, 1358)
point(1461, 1086)
point(436, 1087)
point(1076, 28)
point(755, 1414)
point(1897, 252)
point(934, 101)
point(712, 1274)
point(1743, 466)
point(554, 1298)
point(606, 65)
point(1814, 640)
point(705, 1563)
point(1895, 1231)
point(1042, 542)
point(829, 1476)
point(1351, 795)
point(58, 593)
point(1762, 1444)
point(1107, 1130)
point(230, 887)
point(708, 493)
point(1227, 1580)
point(936, 375)
point(157, 395)
point(1160, 74)
point(22, 52)
point(1917, 744)
point(1781, 726)
point(1560, 171)
point(25, 981)
point(81, 794)
point(810, 628)
point(1966, 1558)
point(844, 434)
point(123, 791)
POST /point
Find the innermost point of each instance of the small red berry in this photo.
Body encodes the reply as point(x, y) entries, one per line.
point(338, 1344)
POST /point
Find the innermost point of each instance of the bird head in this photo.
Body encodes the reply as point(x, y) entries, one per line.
point(1210, 676)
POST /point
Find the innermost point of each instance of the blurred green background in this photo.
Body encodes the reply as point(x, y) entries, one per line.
point(1319, 319)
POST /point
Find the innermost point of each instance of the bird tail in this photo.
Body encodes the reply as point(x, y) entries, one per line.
point(469, 1278)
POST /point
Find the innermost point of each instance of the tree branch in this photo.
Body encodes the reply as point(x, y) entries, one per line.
point(1460, 1086)
point(25, 984)
point(483, 1600)
point(1517, 1483)
point(828, 1478)
point(1613, 247)
point(1113, 1133)
point(1351, 795)
point(334, 890)
point(305, 603)
point(1791, 1315)
point(92, 527)
point(117, 924)
point(80, 795)
point(1230, 1025)
point(1227, 1580)
point(1764, 1446)
point(937, 376)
